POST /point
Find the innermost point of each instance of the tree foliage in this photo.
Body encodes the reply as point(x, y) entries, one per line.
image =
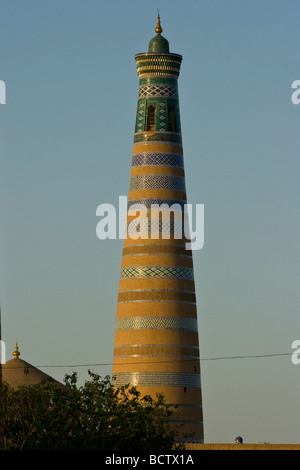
point(95, 416)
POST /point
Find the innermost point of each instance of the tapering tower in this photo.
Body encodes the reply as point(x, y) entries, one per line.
point(156, 339)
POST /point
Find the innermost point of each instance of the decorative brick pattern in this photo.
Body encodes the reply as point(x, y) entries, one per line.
point(156, 295)
point(175, 272)
point(157, 323)
point(164, 65)
point(152, 249)
point(157, 350)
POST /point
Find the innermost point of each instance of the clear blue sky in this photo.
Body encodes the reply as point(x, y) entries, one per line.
point(66, 134)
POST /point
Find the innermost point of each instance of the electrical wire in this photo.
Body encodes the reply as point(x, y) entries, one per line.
point(217, 358)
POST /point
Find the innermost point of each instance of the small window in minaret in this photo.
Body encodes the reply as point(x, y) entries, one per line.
point(150, 119)
point(171, 119)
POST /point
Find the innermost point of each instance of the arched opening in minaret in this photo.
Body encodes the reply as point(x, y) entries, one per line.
point(150, 126)
point(171, 119)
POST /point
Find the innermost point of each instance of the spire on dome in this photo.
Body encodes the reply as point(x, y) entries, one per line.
point(16, 353)
point(158, 43)
point(158, 28)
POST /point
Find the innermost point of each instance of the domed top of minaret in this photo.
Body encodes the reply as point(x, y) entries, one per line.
point(159, 43)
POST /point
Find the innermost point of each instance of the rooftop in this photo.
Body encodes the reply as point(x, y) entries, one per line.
point(17, 372)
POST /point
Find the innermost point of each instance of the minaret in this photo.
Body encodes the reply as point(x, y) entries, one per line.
point(156, 339)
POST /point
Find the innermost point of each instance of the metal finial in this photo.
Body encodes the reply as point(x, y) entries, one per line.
point(16, 353)
point(158, 28)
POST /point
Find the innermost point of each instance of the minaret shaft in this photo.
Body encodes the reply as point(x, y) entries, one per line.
point(156, 339)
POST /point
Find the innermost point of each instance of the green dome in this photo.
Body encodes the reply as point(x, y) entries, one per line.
point(159, 44)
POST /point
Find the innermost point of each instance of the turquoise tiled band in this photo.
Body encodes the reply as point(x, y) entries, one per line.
point(158, 90)
point(146, 182)
point(158, 159)
point(157, 378)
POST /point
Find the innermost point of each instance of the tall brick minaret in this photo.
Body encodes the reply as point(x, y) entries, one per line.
point(156, 339)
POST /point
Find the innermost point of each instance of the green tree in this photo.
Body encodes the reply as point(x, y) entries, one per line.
point(95, 416)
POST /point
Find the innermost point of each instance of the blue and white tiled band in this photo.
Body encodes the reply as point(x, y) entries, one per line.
point(158, 91)
point(157, 159)
point(172, 379)
point(150, 182)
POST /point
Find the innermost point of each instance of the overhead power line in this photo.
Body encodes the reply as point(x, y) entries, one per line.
point(217, 358)
point(253, 356)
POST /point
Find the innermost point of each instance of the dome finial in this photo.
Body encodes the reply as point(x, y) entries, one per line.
point(158, 28)
point(16, 353)
point(158, 44)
